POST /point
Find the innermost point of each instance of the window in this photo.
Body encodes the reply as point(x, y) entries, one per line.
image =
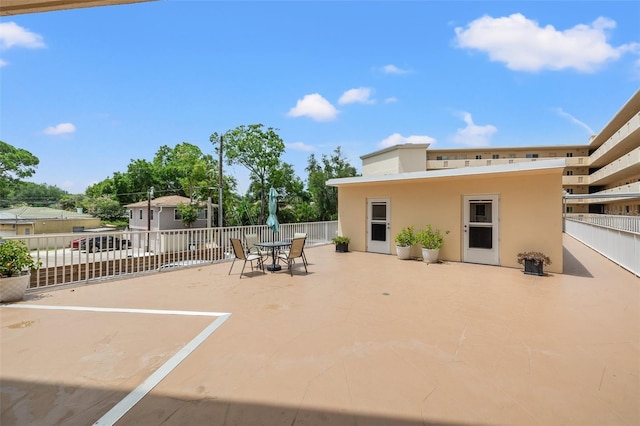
point(140, 214)
point(569, 154)
point(176, 215)
point(570, 190)
point(569, 209)
point(495, 156)
point(27, 231)
point(130, 214)
point(202, 214)
point(569, 172)
point(442, 157)
point(531, 156)
point(478, 157)
point(150, 214)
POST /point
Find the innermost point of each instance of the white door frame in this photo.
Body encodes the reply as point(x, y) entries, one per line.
point(481, 229)
point(377, 242)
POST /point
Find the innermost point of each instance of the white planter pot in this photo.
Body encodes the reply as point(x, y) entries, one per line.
point(12, 288)
point(403, 253)
point(430, 256)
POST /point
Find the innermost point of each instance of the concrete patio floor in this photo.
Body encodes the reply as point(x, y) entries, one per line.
point(363, 339)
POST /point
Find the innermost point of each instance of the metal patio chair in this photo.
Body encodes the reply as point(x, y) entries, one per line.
point(296, 251)
point(240, 253)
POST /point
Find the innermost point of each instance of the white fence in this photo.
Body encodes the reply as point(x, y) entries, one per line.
point(84, 257)
point(615, 237)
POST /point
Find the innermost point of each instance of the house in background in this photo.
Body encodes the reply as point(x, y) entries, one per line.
point(160, 214)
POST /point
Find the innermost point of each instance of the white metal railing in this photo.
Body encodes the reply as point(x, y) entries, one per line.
point(616, 222)
point(615, 237)
point(83, 257)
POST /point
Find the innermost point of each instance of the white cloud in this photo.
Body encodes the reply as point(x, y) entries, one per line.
point(360, 95)
point(523, 45)
point(571, 118)
point(398, 139)
point(13, 35)
point(300, 146)
point(3, 63)
point(60, 129)
point(390, 100)
point(474, 135)
point(392, 69)
point(314, 106)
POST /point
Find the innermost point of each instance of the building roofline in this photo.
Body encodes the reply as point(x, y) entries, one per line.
point(451, 173)
point(620, 118)
point(394, 148)
point(510, 148)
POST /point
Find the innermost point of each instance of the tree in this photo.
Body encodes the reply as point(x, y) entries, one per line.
point(188, 213)
point(15, 164)
point(106, 208)
point(255, 148)
point(325, 197)
point(33, 194)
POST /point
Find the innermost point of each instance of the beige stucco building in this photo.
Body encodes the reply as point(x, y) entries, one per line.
point(492, 213)
point(523, 188)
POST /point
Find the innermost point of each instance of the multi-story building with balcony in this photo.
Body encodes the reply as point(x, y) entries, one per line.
point(609, 164)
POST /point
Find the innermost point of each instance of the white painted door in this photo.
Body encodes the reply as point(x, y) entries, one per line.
point(481, 229)
point(378, 225)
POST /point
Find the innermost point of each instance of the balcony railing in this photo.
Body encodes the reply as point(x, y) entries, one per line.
point(615, 237)
point(84, 257)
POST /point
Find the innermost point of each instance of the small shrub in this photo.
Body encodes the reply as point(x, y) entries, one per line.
point(406, 237)
point(15, 258)
point(536, 256)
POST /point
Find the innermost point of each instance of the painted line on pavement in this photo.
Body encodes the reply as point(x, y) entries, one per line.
point(122, 407)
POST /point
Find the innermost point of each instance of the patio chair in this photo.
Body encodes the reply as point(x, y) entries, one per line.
point(296, 251)
point(285, 251)
point(250, 241)
point(240, 253)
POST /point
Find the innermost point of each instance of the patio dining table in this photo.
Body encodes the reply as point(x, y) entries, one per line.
point(273, 245)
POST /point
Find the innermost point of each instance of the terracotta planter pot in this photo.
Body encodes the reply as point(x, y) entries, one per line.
point(12, 288)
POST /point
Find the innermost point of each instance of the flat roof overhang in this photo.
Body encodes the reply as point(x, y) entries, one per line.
point(19, 7)
point(471, 172)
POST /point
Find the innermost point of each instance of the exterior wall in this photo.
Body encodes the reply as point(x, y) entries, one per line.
point(163, 218)
point(396, 159)
point(530, 214)
point(48, 226)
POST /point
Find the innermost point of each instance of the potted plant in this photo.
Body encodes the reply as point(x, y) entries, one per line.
point(16, 264)
point(404, 240)
point(431, 241)
point(534, 262)
point(342, 243)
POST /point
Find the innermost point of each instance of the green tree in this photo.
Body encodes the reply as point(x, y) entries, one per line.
point(106, 208)
point(255, 148)
point(325, 197)
point(188, 213)
point(34, 194)
point(15, 164)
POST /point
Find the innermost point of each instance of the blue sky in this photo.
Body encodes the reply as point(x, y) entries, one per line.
point(88, 90)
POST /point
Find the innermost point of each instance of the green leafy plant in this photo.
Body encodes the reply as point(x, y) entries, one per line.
point(406, 237)
point(535, 256)
point(431, 238)
point(15, 258)
point(341, 240)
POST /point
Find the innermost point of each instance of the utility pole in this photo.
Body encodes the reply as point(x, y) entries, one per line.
point(220, 212)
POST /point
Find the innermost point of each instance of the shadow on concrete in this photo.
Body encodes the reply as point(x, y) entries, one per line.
point(37, 403)
point(572, 266)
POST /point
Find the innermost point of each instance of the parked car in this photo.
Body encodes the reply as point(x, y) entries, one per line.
point(94, 244)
